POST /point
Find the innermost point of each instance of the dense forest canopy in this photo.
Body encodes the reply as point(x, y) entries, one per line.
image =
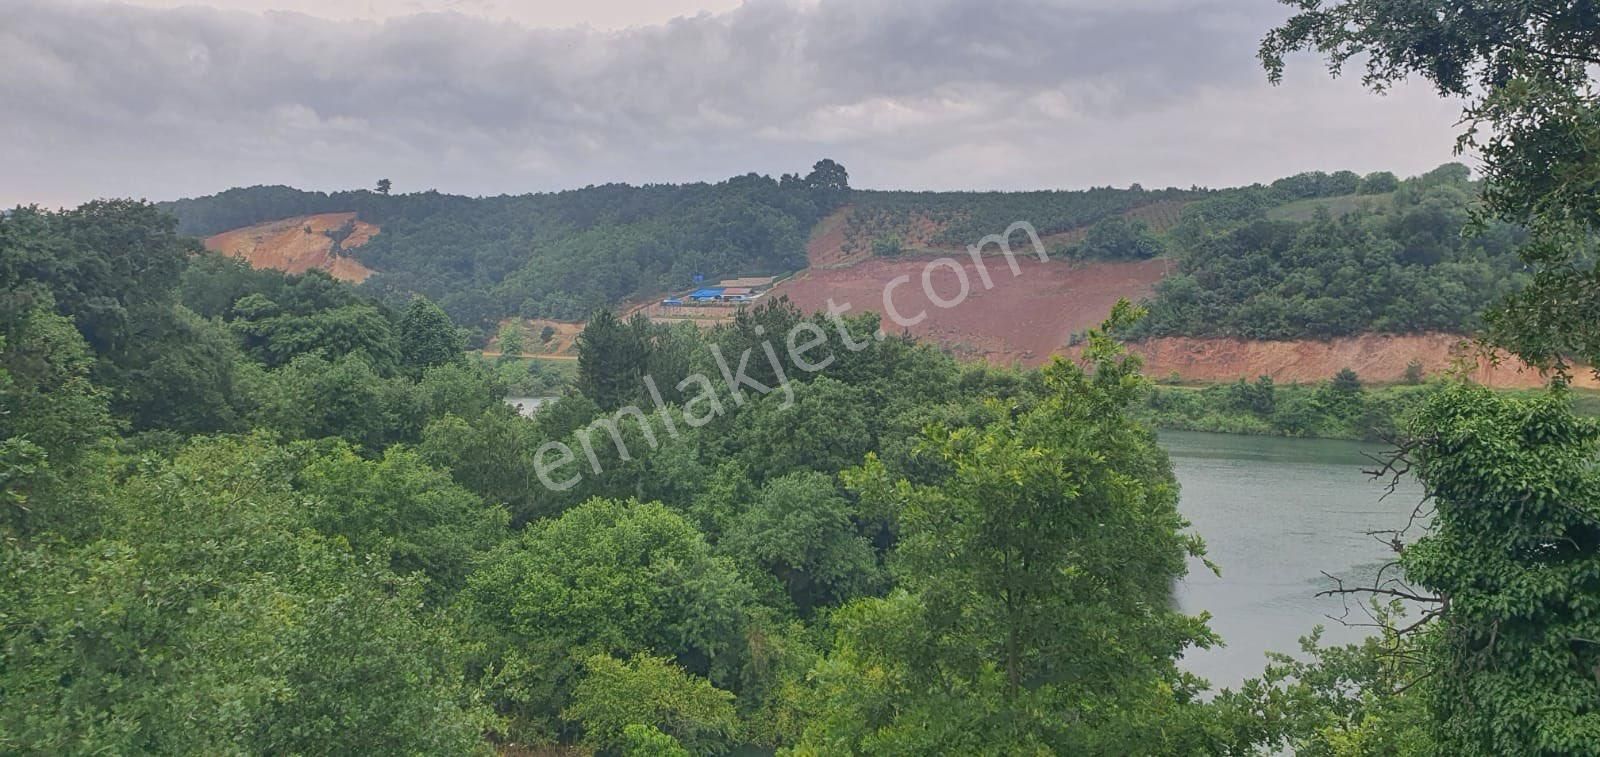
point(1402, 261)
point(559, 254)
point(244, 512)
point(250, 512)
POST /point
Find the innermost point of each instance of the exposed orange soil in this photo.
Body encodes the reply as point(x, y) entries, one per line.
point(299, 244)
point(826, 246)
point(1375, 357)
point(559, 347)
point(1022, 318)
point(833, 245)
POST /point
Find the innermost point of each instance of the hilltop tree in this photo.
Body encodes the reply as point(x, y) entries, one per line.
point(830, 182)
point(428, 337)
point(1378, 182)
point(829, 176)
point(383, 186)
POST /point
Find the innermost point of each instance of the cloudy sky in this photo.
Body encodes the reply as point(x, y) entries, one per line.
point(169, 98)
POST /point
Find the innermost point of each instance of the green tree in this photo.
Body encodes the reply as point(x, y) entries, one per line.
point(613, 358)
point(1118, 238)
point(209, 617)
point(607, 577)
point(107, 265)
point(384, 186)
point(1413, 374)
point(490, 454)
point(828, 427)
point(888, 245)
point(401, 510)
point(830, 180)
point(54, 424)
point(186, 379)
point(312, 398)
point(427, 337)
point(1526, 73)
point(275, 335)
point(1378, 182)
point(648, 741)
point(510, 341)
point(1034, 610)
point(800, 530)
point(1513, 555)
point(1336, 701)
point(1345, 383)
point(651, 691)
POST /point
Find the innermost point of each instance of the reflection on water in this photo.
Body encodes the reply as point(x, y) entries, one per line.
point(1275, 513)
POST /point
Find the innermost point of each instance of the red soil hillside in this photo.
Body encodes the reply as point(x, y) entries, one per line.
point(1375, 357)
point(1026, 319)
point(826, 246)
point(1023, 318)
point(834, 243)
point(299, 244)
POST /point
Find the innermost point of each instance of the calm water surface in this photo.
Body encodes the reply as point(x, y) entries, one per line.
point(1275, 513)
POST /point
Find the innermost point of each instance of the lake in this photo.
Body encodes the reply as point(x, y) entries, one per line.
point(1275, 513)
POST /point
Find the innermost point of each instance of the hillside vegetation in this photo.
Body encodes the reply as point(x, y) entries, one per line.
point(249, 512)
point(1311, 256)
point(555, 255)
point(1399, 262)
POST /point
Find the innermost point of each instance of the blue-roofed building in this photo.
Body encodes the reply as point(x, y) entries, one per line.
point(709, 294)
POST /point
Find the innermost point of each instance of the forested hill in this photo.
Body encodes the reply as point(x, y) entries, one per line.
point(555, 254)
point(1315, 255)
point(563, 254)
point(1403, 257)
point(1311, 256)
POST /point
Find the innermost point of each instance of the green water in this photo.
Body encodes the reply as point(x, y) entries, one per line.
point(1275, 513)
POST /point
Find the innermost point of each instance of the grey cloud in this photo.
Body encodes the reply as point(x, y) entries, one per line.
point(111, 99)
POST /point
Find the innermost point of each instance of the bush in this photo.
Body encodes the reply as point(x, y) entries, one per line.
point(1413, 375)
